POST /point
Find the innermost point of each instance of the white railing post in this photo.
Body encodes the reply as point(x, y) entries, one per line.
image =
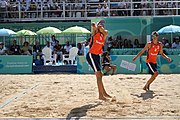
point(132, 7)
point(64, 9)
point(19, 10)
point(41, 9)
point(85, 9)
point(154, 8)
point(109, 5)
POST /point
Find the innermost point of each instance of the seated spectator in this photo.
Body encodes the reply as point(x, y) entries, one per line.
point(58, 49)
point(129, 45)
point(67, 47)
point(109, 43)
point(165, 43)
point(80, 49)
point(37, 49)
point(15, 49)
point(136, 44)
point(176, 44)
point(106, 64)
point(99, 11)
point(125, 44)
point(47, 44)
point(3, 50)
point(105, 10)
point(26, 49)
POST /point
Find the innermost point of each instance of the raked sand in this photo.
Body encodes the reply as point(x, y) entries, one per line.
point(76, 96)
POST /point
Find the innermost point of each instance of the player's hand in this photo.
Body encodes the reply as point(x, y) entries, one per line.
point(134, 59)
point(93, 24)
point(169, 59)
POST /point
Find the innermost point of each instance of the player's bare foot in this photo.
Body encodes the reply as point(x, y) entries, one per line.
point(145, 88)
point(148, 87)
point(107, 96)
point(104, 98)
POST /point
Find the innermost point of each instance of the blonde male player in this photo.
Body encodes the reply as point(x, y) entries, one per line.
point(153, 47)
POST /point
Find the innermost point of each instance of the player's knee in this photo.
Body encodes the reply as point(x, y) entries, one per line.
point(155, 74)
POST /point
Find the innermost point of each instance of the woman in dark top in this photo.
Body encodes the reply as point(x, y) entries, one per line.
point(106, 64)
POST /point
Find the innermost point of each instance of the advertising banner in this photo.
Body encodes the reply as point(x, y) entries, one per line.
point(16, 64)
point(123, 63)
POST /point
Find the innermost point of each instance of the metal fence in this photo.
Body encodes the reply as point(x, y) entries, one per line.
point(61, 10)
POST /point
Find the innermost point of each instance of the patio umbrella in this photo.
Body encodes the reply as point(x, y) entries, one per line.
point(25, 33)
point(170, 29)
point(49, 30)
point(6, 32)
point(76, 30)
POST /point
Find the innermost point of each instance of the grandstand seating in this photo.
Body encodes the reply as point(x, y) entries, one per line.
point(82, 10)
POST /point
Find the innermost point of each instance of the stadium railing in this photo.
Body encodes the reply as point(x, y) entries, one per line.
point(17, 11)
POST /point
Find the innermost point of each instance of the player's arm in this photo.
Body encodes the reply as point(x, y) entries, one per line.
point(163, 55)
point(103, 31)
point(142, 51)
point(94, 29)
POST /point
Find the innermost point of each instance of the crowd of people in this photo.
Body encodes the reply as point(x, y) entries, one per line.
point(118, 42)
point(36, 49)
point(74, 8)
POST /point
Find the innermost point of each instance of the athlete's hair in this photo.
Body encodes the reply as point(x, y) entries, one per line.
point(154, 34)
point(105, 54)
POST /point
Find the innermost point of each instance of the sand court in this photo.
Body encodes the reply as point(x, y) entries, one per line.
point(75, 96)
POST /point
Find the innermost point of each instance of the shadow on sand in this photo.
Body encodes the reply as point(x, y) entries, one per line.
point(147, 95)
point(77, 113)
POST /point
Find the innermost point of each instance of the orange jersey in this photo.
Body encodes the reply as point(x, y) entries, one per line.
point(97, 42)
point(153, 52)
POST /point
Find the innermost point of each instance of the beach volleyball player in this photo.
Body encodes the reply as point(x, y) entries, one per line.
point(93, 57)
point(153, 48)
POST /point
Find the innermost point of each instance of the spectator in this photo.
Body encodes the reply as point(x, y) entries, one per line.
point(67, 47)
point(165, 43)
point(105, 10)
point(3, 50)
point(53, 42)
point(58, 49)
point(136, 44)
point(80, 49)
point(28, 3)
point(15, 49)
point(109, 43)
point(129, 45)
point(122, 5)
point(99, 11)
point(26, 49)
point(37, 51)
point(125, 44)
point(176, 44)
point(47, 44)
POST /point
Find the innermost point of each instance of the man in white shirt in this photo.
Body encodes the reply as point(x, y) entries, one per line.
point(67, 47)
point(176, 44)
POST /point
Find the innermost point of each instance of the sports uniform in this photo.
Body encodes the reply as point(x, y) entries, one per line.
point(152, 56)
point(93, 56)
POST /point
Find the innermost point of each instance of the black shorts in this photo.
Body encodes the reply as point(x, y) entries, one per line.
point(152, 67)
point(94, 61)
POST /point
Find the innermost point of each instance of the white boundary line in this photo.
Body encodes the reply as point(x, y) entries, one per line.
point(18, 96)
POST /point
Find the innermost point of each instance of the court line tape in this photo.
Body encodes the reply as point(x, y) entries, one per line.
point(18, 96)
